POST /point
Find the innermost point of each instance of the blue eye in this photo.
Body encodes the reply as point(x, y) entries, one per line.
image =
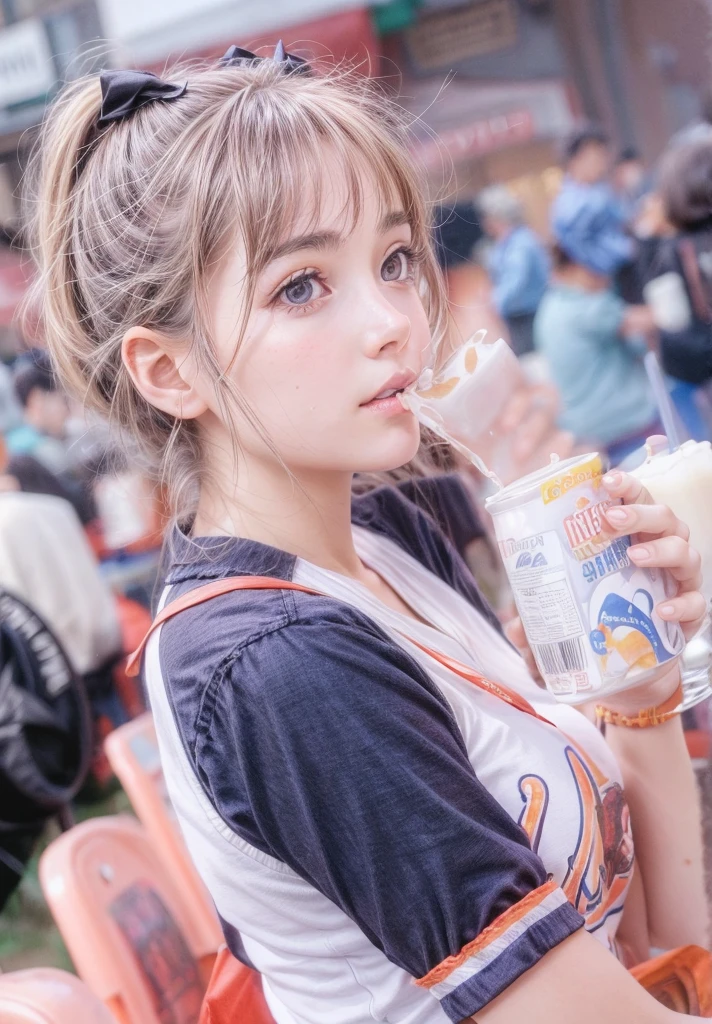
point(302, 290)
point(299, 291)
point(396, 267)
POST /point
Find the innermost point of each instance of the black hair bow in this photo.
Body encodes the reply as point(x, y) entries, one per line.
point(291, 63)
point(123, 92)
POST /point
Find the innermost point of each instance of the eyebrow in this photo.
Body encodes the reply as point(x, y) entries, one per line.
point(321, 240)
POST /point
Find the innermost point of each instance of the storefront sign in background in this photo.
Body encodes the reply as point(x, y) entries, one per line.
point(27, 70)
point(479, 137)
point(451, 36)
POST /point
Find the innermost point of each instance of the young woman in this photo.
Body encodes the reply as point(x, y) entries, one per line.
point(236, 266)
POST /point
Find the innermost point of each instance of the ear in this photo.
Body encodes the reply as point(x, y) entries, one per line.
point(162, 373)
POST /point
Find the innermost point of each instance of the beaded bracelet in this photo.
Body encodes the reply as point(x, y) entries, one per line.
point(647, 717)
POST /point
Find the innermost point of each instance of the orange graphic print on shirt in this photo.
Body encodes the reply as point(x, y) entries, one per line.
point(600, 866)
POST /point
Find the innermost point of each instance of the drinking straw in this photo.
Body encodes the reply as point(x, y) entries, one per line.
point(662, 397)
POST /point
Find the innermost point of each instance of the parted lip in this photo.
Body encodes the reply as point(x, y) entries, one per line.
point(398, 382)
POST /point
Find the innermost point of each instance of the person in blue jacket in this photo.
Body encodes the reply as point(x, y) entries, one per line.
point(517, 262)
point(587, 219)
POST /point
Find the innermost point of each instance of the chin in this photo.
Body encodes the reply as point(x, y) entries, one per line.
point(394, 451)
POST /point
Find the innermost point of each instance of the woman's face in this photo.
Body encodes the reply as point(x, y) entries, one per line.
point(336, 326)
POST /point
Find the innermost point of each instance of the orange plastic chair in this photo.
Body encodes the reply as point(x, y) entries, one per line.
point(125, 923)
point(132, 751)
point(234, 987)
point(681, 980)
point(44, 995)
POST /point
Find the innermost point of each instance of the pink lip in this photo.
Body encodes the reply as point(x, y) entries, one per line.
point(386, 406)
point(398, 382)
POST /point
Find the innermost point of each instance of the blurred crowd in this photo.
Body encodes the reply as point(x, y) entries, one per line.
point(626, 270)
point(80, 535)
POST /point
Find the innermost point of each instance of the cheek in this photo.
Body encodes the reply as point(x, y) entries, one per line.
point(290, 362)
point(421, 341)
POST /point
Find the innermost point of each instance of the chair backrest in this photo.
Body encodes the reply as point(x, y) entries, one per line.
point(133, 754)
point(680, 979)
point(43, 995)
point(125, 923)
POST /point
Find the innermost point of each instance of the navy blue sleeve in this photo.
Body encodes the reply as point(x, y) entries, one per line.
point(351, 768)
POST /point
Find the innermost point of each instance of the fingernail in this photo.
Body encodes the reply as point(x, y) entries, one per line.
point(617, 516)
point(640, 554)
point(612, 479)
point(667, 609)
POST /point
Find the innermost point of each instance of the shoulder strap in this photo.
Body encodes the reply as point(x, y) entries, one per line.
point(691, 268)
point(231, 583)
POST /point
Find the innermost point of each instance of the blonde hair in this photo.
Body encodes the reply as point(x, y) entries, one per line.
point(127, 221)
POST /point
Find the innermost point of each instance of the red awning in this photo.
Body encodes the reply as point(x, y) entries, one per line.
point(348, 35)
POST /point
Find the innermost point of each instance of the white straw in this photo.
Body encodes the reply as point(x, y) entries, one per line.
point(671, 423)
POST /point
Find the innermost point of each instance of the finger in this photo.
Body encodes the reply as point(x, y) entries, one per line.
point(531, 433)
point(673, 554)
point(515, 411)
point(658, 520)
point(687, 609)
point(629, 488)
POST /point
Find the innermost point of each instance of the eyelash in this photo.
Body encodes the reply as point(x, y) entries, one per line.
point(414, 257)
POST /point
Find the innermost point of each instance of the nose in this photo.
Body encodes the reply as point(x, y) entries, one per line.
point(384, 325)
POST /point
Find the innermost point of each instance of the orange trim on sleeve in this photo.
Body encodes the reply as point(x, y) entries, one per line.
point(490, 934)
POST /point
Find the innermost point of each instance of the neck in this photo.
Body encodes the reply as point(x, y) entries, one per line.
point(307, 514)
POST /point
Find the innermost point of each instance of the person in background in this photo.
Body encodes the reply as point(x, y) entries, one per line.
point(25, 473)
point(592, 342)
point(587, 219)
point(678, 281)
point(631, 182)
point(47, 562)
point(45, 412)
point(529, 418)
point(10, 408)
point(517, 263)
point(457, 233)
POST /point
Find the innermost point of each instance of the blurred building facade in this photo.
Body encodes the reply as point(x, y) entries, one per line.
point(526, 71)
point(499, 82)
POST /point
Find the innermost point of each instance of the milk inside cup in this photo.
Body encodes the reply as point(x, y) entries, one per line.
point(589, 614)
point(462, 403)
point(683, 480)
point(668, 301)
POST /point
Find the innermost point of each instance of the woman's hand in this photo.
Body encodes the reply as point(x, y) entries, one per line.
point(529, 420)
point(660, 541)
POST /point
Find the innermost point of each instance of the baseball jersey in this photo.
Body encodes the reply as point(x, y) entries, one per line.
point(382, 839)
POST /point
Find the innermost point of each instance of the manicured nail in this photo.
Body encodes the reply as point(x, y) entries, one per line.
point(640, 553)
point(667, 609)
point(617, 516)
point(612, 479)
